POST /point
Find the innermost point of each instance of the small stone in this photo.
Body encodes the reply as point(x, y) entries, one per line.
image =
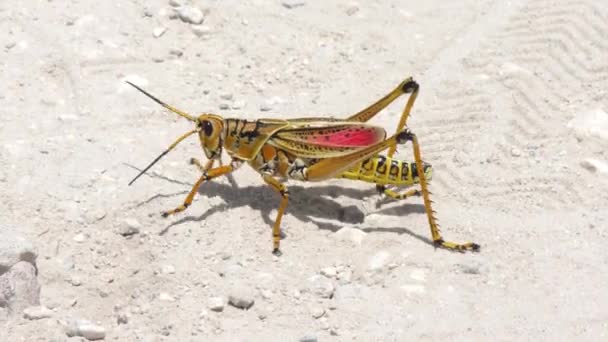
point(266, 294)
point(226, 96)
point(515, 152)
point(594, 165)
point(238, 104)
point(291, 4)
point(175, 3)
point(217, 304)
point(79, 238)
point(317, 312)
point(329, 272)
point(321, 286)
point(176, 52)
point(356, 236)
point(168, 269)
point(164, 296)
point(75, 280)
point(37, 312)
point(86, 329)
point(334, 331)
point(191, 15)
point(159, 31)
point(297, 294)
point(265, 107)
point(10, 45)
point(201, 30)
point(241, 298)
point(352, 9)
point(129, 226)
point(122, 318)
point(224, 106)
point(345, 276)
point(308, 338)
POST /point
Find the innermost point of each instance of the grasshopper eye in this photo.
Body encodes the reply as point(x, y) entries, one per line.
point(207, 128)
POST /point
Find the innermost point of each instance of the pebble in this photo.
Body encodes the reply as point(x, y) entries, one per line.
point(191, 15)
point(317, 312)
point(86, 329)
point(356, 236)
point(168, 269)
point(175, 3)
point(164, 296)
point(329, 272)
point(176, 52)
point(239, 104)
point(75, 280)
point(122, 318)
point(159, 31)
point(594, 165)
point(224, 106)
point(217, 304)
point(308, 338)
point(266, 294)
point(321, 286)
point(129, 226)
point(241, 298)
point(345, 276)
point(37, 312)
point(515, 152)
point(10, 45)
point(352, 9)
point(201, 30)
point(291, 4)
point(226, 96)
point(265, 107)
point(79, 238)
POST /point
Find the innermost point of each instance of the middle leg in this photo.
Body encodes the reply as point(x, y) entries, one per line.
point(276, 229)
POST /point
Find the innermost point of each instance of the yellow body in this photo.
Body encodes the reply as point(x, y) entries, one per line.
point(382, 170)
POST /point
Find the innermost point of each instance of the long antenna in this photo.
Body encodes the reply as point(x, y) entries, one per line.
point(171, 108)
point(163, 154)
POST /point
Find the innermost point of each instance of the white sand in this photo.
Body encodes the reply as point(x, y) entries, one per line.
point(499, 83)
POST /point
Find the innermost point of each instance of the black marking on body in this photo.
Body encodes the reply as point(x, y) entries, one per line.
point(405, 172)
point(394, 171)
point(381, 166)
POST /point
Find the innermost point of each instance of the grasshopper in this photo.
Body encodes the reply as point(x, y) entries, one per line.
point(313, 149)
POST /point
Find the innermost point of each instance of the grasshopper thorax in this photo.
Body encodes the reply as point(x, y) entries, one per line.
point(210, 128)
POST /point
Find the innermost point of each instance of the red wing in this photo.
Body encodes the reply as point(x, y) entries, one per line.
point(334, 134)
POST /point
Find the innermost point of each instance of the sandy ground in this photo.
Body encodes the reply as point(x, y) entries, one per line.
point(500, 84)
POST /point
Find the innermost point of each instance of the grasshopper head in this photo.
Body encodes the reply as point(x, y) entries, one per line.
point(210, 128)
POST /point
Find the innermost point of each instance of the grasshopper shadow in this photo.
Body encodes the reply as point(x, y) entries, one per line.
point(318, 204)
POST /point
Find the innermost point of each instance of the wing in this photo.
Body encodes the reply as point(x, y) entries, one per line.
point(325, 139)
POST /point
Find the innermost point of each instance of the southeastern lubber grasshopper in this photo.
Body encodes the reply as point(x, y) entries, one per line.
point(313, 149)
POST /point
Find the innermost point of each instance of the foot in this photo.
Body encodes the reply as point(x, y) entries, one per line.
point(459, 247)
